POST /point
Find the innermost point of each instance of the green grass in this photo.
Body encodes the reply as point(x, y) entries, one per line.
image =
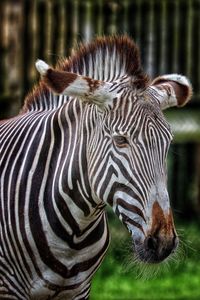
point(117, 277)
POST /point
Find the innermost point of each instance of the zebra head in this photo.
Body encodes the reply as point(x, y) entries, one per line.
point(129, 139)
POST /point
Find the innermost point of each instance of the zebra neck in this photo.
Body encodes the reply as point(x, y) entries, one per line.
point(45, 101)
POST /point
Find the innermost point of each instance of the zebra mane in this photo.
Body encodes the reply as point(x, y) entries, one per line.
point(106, 58)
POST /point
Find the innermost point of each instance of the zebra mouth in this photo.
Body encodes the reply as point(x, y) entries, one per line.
point(154, 250)
point(150, 256)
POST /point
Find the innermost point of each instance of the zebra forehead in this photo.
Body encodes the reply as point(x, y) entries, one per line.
point(126, 107)
point(137, 116)
point(150, 108)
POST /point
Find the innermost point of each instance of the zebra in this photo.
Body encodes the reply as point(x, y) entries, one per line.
point(90, 134)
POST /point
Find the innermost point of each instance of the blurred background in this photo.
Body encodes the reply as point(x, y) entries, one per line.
point(168, 35)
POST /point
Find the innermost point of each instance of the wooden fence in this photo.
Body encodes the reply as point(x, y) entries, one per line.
point(167, 32)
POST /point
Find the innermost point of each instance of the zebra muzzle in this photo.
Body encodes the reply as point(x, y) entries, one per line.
point(158, 248)
point(161, 239)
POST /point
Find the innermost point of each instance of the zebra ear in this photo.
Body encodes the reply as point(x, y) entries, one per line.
point(71, 84)
point(172, 90)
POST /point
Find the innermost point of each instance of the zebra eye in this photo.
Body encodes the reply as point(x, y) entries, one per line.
point(120, 141)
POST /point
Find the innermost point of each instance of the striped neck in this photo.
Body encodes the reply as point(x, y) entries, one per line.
point(45, 101)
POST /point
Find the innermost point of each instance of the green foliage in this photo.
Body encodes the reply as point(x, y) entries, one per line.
point(185, 124)
point(120, 279)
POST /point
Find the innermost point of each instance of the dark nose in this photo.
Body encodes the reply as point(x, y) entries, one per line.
point(157, 248)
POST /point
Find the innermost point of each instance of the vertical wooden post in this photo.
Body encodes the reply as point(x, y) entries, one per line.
point(3, 45)
point(11, 49)
point(198, 177)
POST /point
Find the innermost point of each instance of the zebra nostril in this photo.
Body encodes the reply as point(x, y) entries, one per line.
point(151, 243)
